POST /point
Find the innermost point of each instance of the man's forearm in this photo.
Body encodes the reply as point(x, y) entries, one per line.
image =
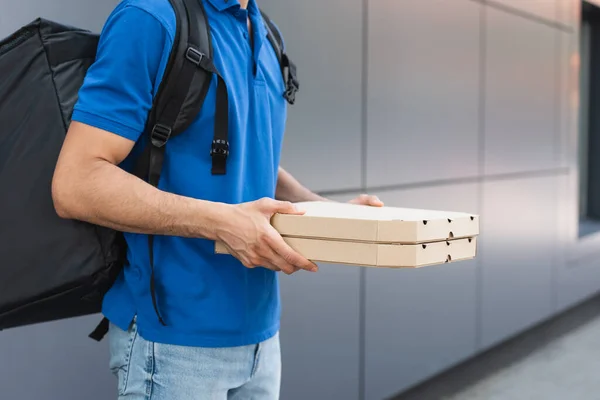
point(289, 189)
point(104, 194)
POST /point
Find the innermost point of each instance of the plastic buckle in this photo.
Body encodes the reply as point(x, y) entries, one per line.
point(291, 89)
point(160, 135)
point(194, 55)
point(219, 148)
point(291, 83)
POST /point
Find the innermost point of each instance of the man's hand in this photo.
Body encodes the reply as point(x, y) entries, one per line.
point(367, 200)
point(250, 238)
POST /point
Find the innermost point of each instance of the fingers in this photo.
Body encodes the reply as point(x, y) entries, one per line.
point(268, 265)
point(271, 207)
point(287, 255)
point(368, 200)
point(266, 257)
point(277, 266)
point(374, 201)
point(255, 261)
point(259, 244)
point(277, 261)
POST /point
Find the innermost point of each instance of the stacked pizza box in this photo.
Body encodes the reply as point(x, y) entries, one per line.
point(377, 236)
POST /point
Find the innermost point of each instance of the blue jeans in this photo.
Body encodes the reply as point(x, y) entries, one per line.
point(156, 371)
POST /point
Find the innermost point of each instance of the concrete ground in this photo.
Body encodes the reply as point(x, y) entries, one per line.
point(558, 360)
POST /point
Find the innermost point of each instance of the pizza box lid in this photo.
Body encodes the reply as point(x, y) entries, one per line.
point(380, 255)
point(359, 223)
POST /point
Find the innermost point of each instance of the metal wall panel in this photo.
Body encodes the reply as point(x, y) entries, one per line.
point(320, 333)
point(87, 14)
point(419, 322)
point(518, 252)
point(577, 274)
point(520, 128)
point(323, 142)
point(568, 97)
point(578, 281)
point(423, 82)
point(568, 12)
point(546, 9)
point(56, 360)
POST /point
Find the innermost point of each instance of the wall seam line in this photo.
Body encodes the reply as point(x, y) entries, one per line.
point(525, 15)
point(559, 171)
point(480, 189)
point(364, 154)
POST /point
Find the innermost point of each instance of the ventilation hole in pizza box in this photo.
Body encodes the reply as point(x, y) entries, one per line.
point(448, 243)
point(424, 246)
point(472, 218)
point(470, 240)
point(449, 221)
point(424, 222)
point(449, 258)
point(451, 235)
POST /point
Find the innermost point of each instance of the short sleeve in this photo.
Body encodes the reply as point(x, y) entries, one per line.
point(117, 92)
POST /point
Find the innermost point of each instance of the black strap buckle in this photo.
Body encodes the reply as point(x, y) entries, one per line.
point(160, 135)
point(194, 55)
point(291, 81)
point(219, 148)
point(291, 89)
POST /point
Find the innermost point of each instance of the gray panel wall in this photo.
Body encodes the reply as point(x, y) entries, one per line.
point(545, 9)
point(325, 38)
point(577, 267)
point(486, 90)
point(568, 12)
point(88, 14)
point(470, 106)
point(420, 321)
point(567, 110)
point(520, 90)
point(418, 49)
point(518, 253)
point(320, 331)
point(55, 361)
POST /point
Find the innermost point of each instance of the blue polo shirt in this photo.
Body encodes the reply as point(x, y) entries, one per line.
point(205, 299)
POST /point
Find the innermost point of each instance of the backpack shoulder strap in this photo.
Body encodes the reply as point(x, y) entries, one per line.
point(180, 96)
point(184, 86)
point(178, 100)
point(175, 102)
point(288, 68)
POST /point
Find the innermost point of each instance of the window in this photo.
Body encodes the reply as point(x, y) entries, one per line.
point(589, 121)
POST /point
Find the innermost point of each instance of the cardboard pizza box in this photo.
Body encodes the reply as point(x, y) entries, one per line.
point(343, 221)
point(377, 236)
point(378, 254)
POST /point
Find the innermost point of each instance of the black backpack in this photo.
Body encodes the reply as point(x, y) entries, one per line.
point(52, 268)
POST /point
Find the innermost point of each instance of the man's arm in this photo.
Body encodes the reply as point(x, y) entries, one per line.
point(289, 189)
point(110, 115)
point(88, 185)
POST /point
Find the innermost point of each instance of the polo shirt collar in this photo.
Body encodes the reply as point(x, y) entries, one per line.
point(221, 5)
